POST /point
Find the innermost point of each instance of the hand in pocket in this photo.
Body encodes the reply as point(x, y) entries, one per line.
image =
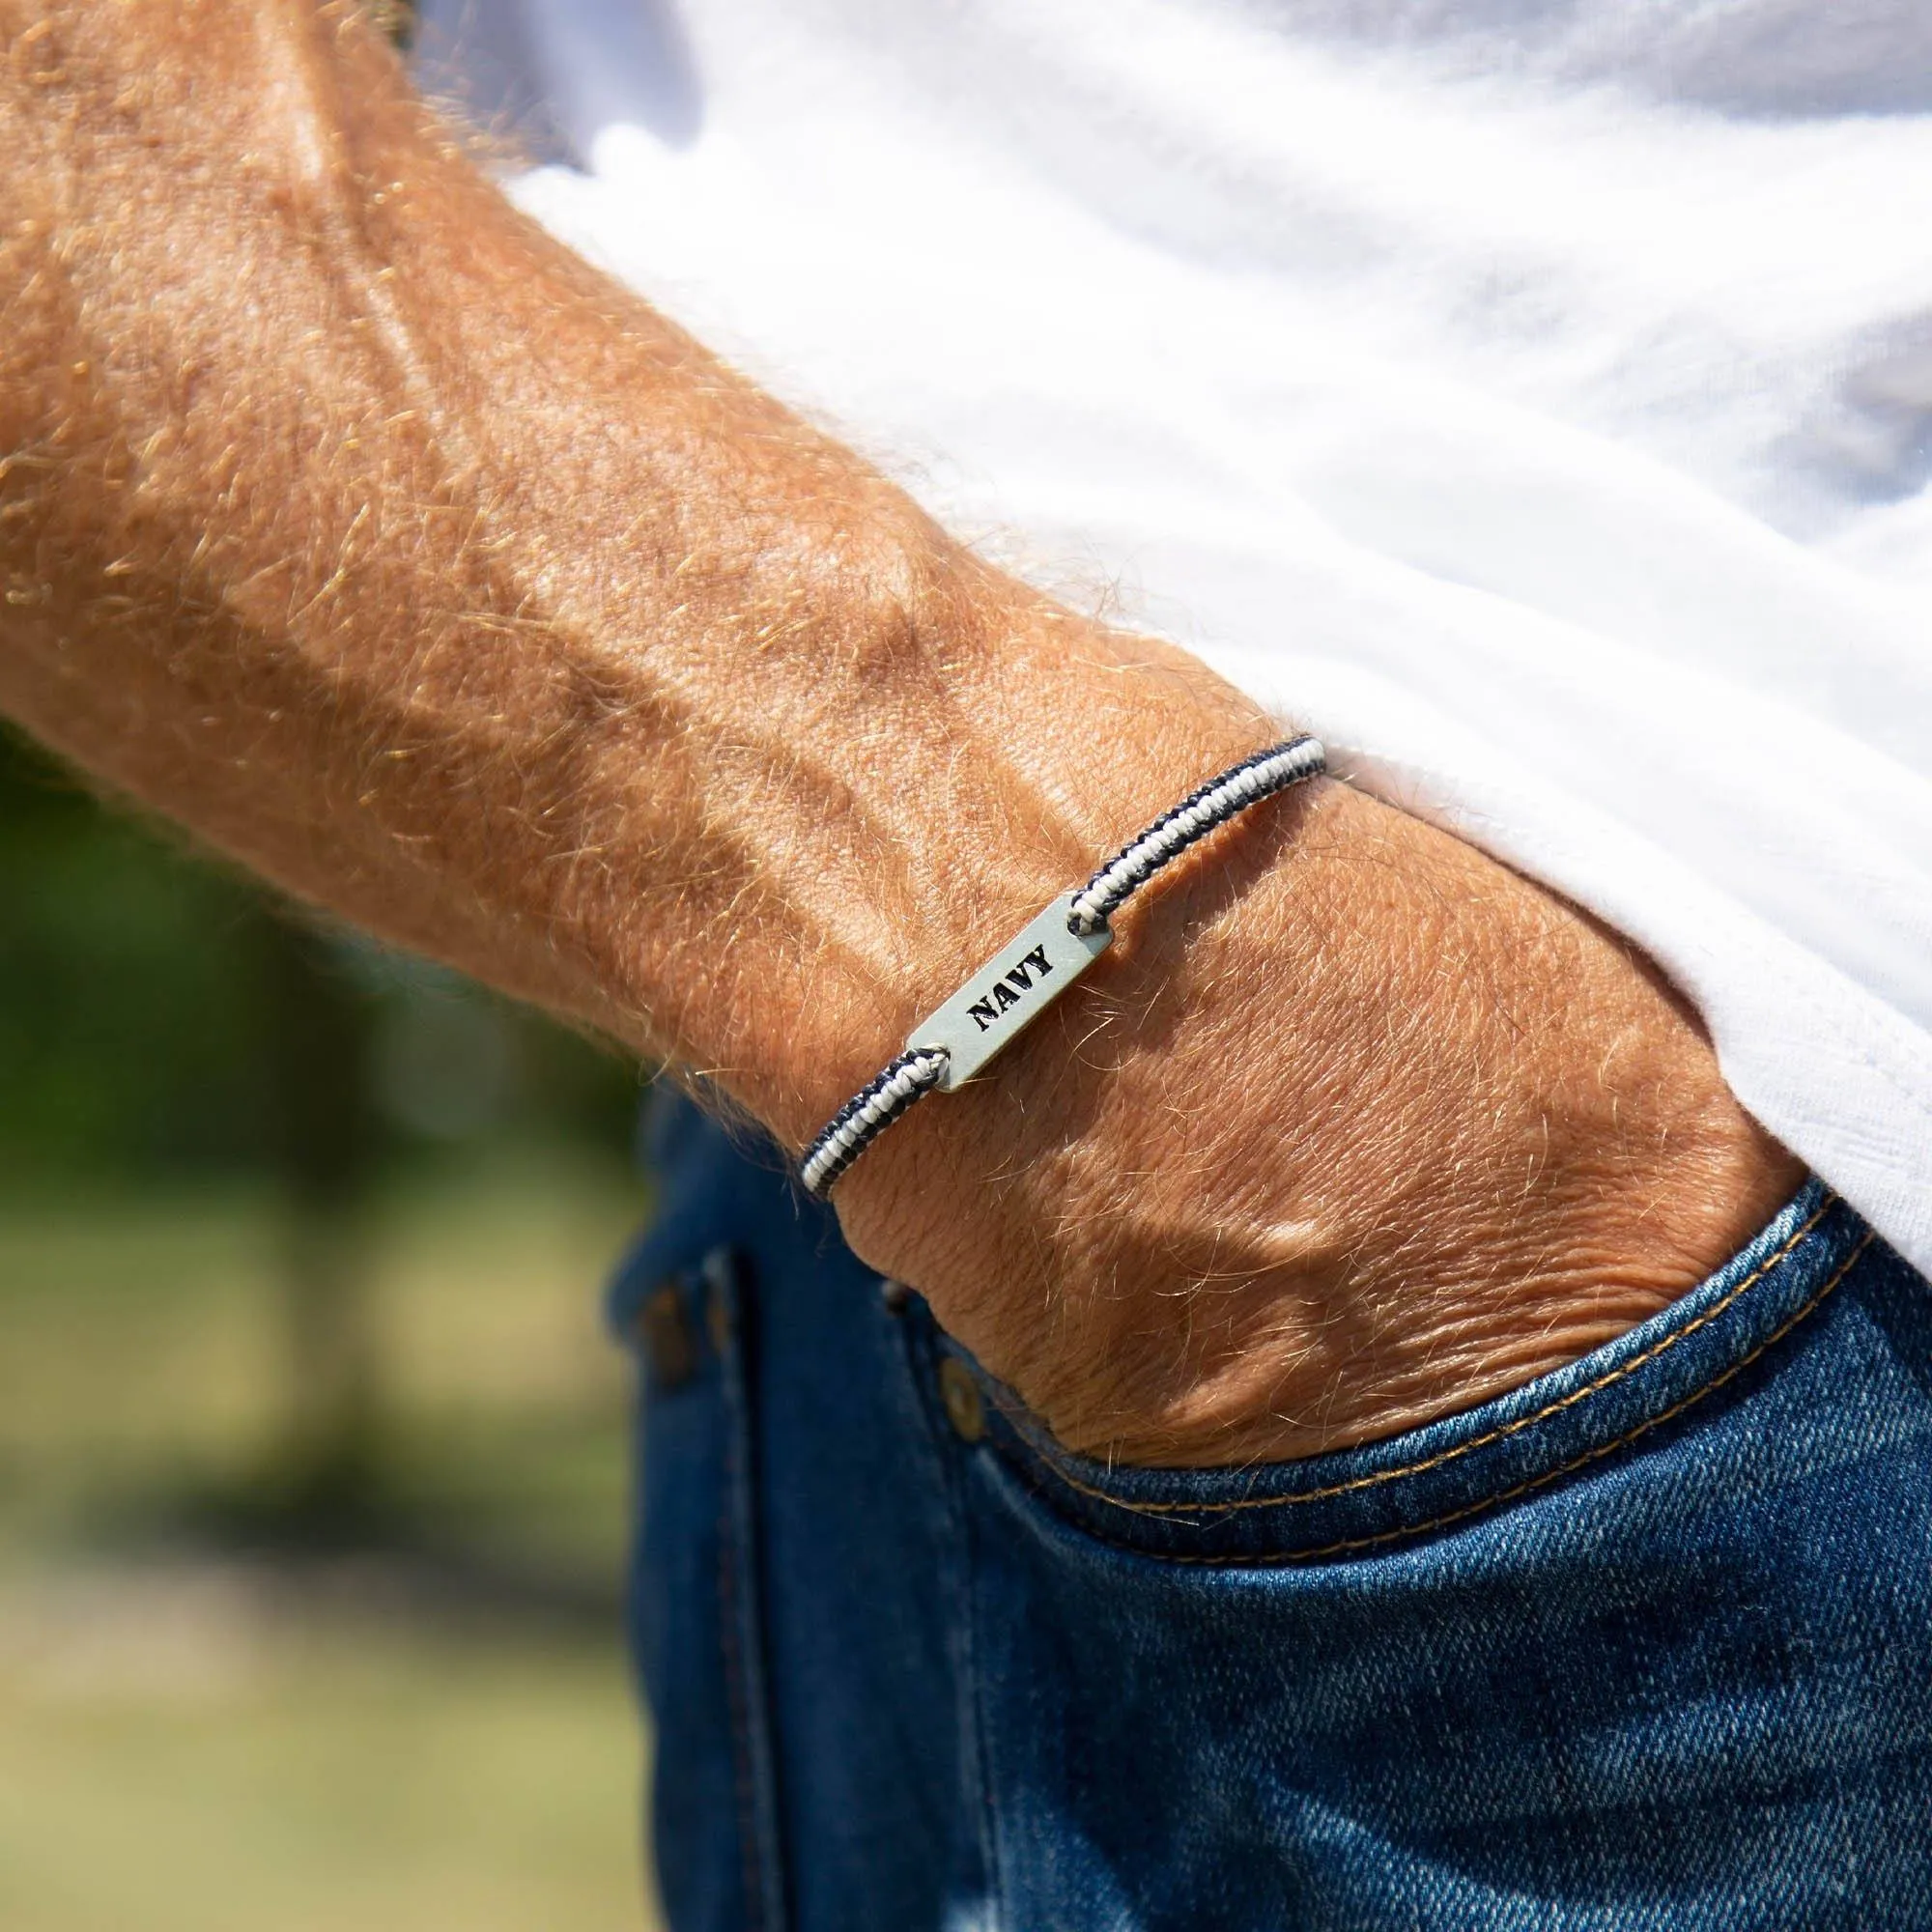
point(1359, 1128)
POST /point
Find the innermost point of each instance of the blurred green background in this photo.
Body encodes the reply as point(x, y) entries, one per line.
point(312, 1450)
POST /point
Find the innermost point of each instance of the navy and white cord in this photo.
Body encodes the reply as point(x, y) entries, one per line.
point(1027, 975)
point(868, 1114)
point(1193, 819)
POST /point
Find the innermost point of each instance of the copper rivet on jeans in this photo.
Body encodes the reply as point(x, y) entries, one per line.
point(965, 1409)
point(665, 1330)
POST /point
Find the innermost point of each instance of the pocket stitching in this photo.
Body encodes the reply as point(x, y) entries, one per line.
point(1456, 1450)
point(1348, 1544)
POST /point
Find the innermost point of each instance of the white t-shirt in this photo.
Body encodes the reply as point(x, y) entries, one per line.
point(1533, 398)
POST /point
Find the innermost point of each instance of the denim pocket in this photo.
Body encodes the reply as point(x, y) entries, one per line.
point(1654, 1378)
point(1641, 1645)
point(696, 1596)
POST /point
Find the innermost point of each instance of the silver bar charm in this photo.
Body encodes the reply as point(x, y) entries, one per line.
point(1027, 975)
point(1009, 992)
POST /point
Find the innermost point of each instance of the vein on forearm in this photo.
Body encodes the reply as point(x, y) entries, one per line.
point(352, 520)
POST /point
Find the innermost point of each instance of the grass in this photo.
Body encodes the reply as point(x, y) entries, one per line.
point(268, 1772)
point(194, 1734)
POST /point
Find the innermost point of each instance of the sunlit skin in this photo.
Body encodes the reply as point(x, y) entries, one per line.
point(351, 522)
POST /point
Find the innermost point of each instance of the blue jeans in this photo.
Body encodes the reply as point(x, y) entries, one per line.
point(1645, 1643)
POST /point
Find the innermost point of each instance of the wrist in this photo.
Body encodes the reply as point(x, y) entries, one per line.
point(1353, 1128)
point(1052, 742)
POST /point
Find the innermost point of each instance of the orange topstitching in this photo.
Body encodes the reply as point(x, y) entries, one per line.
point(1455, 1450)
point(1476, 1508)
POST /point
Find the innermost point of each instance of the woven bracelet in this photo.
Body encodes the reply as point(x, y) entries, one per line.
point(1027, 975)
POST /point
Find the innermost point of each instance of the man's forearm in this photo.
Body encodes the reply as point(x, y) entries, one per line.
point(349, 519)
